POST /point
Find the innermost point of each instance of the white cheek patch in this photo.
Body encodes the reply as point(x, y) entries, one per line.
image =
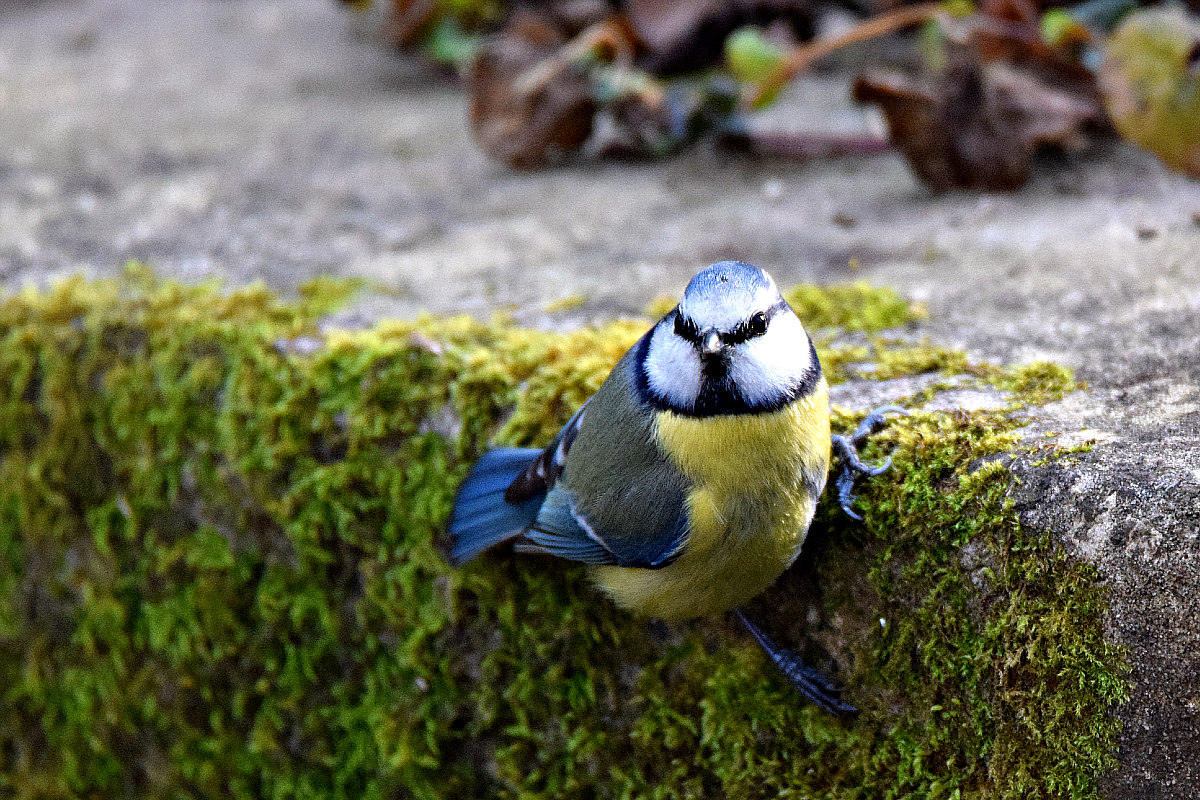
point(772, 365)
point(673, 368)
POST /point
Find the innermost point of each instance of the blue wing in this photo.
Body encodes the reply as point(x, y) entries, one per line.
point(600, 493)
point(501, 496)
point(617, 499)
point(542, 472)
point(481, 517)
point(562, 529)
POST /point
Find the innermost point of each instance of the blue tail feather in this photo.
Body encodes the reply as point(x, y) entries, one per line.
point(481, 517)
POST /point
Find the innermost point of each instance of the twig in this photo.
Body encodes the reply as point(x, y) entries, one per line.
point(590, 40)
point(804, 56)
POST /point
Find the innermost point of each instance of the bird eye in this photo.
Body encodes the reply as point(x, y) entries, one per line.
point(758, 324)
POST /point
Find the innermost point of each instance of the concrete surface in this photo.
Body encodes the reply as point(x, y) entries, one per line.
point(277, 141)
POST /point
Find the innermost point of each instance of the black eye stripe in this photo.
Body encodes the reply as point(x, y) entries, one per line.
point(749, 329)
point(687, 329)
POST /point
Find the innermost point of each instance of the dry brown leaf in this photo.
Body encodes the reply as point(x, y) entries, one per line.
point(526, 109)
point(409, 20)
point(1003, 94)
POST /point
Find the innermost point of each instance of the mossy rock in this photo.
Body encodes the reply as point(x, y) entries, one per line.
point(222, 574)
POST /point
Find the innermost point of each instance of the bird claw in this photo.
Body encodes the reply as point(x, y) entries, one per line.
point(822, 691)
point(852, 467)
point(873, 423)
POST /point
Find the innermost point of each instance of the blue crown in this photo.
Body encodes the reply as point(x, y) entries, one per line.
point(724, 278)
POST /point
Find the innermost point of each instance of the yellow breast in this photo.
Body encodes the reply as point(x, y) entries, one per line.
point(755, 479)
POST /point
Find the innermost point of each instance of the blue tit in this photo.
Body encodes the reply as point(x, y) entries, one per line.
point(688, 481)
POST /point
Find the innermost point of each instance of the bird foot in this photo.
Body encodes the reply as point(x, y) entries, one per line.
point(821, 691)
point(852, 467)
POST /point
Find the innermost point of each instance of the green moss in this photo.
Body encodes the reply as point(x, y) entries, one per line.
point(895, 360)
point(1037, 382)
point(222, 574)
point(568, 303)
point(852, 307)
point(884, 359)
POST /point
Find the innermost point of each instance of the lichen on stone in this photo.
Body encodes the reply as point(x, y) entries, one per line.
point(223, 573)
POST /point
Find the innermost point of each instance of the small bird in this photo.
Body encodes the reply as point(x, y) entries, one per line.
point(688, 481)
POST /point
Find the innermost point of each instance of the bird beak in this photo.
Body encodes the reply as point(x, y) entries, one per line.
point(710, 343)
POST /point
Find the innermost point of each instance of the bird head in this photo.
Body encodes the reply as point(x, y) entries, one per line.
point(732, 345)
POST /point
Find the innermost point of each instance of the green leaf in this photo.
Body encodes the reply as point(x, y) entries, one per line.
point(751, 57)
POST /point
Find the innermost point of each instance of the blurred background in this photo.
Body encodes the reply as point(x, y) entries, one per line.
point(1028, 173)
point(614, 148)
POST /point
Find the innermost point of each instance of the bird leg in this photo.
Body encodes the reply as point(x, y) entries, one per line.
point(822, 691)
point(846, 448)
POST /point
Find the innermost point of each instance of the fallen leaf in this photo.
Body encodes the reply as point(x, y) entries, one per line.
point(527, 105)
point(638, 119)
point(1002, 95)
point(750, 56)
point(409, 20)
point(1151, 84)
